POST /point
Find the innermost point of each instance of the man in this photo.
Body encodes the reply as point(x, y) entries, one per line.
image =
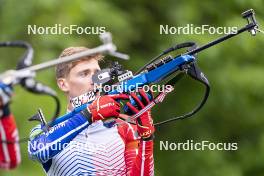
point(93, 143)
point(9, 147)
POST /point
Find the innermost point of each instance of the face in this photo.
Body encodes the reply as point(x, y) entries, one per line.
point(79, 80)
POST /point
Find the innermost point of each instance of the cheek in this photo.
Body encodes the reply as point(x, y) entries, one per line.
point(80, 85)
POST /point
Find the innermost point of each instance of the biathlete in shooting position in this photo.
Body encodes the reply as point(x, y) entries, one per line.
point(9, 147)
point(92, 142)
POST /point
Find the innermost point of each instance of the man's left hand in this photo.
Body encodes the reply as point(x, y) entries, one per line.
point(144, 122)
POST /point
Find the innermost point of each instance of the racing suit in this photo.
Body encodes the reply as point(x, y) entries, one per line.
point(77, 147)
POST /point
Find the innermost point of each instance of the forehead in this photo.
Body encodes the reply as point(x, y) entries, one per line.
point(91, 64)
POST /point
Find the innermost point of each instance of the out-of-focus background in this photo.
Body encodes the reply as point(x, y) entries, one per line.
point(235, 68)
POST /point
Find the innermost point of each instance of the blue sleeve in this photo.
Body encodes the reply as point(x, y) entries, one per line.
point(46, 145)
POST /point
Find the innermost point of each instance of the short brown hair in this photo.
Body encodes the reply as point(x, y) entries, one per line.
point(62, 70)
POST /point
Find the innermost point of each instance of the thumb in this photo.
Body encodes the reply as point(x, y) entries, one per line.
point(119, 96)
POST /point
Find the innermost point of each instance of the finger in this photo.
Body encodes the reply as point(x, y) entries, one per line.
point(117, 104)
point(119, 96)
point(137, 100)
point(132, 108)
point(144, 96)
point(117, 112)
point(123, 116)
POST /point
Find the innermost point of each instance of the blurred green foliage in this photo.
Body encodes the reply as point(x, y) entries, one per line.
point(234, 112)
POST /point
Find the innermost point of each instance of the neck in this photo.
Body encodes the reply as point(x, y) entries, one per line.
point(69, 105)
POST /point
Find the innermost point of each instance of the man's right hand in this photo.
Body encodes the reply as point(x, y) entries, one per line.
point(5, 98)
point(105, 106)
point(5, 94)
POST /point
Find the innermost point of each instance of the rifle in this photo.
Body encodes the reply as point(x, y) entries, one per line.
point(159, 69)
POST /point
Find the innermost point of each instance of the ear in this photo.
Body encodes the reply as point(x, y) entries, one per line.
point(63, 84)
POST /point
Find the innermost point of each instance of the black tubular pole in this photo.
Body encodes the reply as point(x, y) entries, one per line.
point(221, 39)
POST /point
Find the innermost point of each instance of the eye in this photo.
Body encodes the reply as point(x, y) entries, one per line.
point(84, 73)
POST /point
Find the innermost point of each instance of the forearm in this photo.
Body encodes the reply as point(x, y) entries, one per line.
point(9, 147)
point(143, 164)
point(48, 144)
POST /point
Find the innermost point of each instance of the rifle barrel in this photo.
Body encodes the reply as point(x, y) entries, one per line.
point(221, 39)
